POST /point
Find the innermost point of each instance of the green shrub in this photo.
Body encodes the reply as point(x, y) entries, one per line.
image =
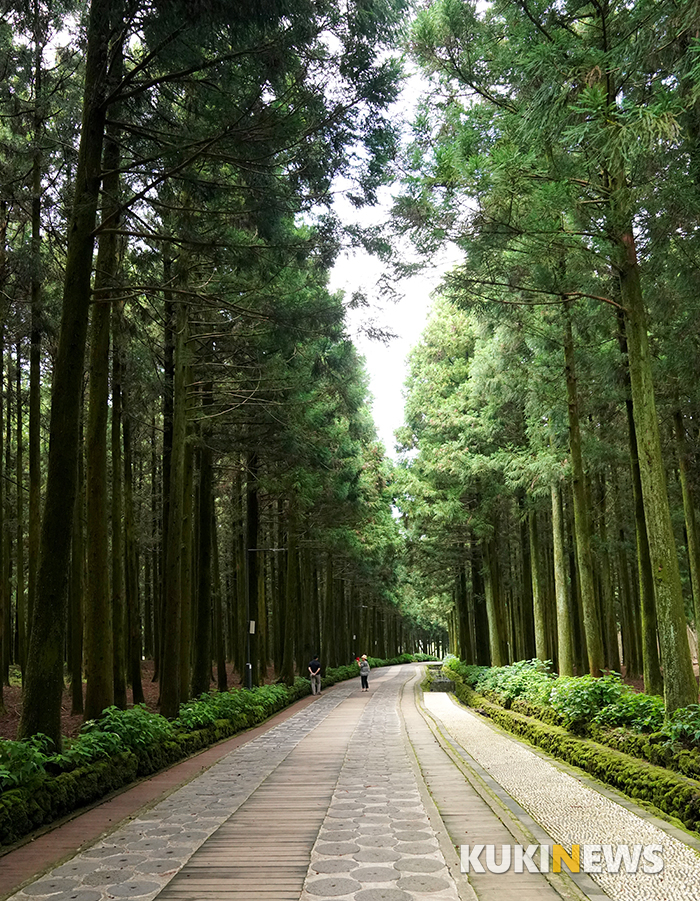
point(638, 712)
point(684, 725)
point(528, 679)
point(137, 728)
point(580, 698)
point(23, 763)
point(469, 674)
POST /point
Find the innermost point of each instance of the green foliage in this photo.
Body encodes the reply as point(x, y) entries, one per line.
point(23, 763)
point(639, 712)
point(528, 679)
point(580, 698)
point(684, 725)
point(137, 729)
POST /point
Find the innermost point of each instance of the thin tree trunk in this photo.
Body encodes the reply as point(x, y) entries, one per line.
point(612, 651)
point(251, 558)
point(493, 611)
point(564, 632)
point(653, 680)
point(291, 599)
point(591, 621)
point(119, 620)
point(203, 646)
point(172, 601)
point(133, 614)
point(77, 590)
point(219, 618)
point(538, 604)
point(21, 603)
point(189, 545)
point(4, 585)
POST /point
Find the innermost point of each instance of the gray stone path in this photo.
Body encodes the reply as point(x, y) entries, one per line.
point(376, 842)
point(573, 812)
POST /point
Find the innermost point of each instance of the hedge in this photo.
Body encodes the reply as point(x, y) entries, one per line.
point(673, 794)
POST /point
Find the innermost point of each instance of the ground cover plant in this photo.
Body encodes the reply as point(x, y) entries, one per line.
point(580, 703)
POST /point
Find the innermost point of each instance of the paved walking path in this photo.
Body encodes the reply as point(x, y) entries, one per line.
point(364, 797)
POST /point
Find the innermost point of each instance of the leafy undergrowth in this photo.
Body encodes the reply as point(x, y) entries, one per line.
point(581, 703)
point(39, 784)
point(605, 710)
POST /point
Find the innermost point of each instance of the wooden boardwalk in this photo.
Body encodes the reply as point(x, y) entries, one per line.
point(264, 850)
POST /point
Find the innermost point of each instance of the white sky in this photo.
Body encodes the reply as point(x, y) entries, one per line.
point(406, 318)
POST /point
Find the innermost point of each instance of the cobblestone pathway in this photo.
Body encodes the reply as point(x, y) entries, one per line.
point(377, 842)
point(572, 812)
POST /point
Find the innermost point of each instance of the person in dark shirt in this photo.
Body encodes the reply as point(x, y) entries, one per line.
point(315, 672)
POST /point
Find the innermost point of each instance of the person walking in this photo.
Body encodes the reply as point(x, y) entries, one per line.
point(315, 671)
point(364, 673)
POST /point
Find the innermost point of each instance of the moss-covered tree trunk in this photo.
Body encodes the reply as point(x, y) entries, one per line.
point(653, 680)
point(680, 687)
point(76, 591)
point(41, 711)
point(689, 511)
point(493, 611)
point(584, 557)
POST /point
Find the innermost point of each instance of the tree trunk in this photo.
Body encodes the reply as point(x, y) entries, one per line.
point(564, 633)
point(41, 710)
point(202, 648)
point(591, 621)
point(21, 605)
point(118, 563)
point(77, 590)
point(538, 604)
point(612, 651)
point(133, 613)
point(251, 560)
point(291, 596)
point(689, 511)
point(170, 696)
point(219, 618)
point(188, 592)
point(653, 680)
point(492, 603)
point(680, 687)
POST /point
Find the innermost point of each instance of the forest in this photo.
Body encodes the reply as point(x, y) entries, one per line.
point(191, 474)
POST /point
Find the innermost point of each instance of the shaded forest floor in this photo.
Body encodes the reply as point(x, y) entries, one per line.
point(71, 723)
